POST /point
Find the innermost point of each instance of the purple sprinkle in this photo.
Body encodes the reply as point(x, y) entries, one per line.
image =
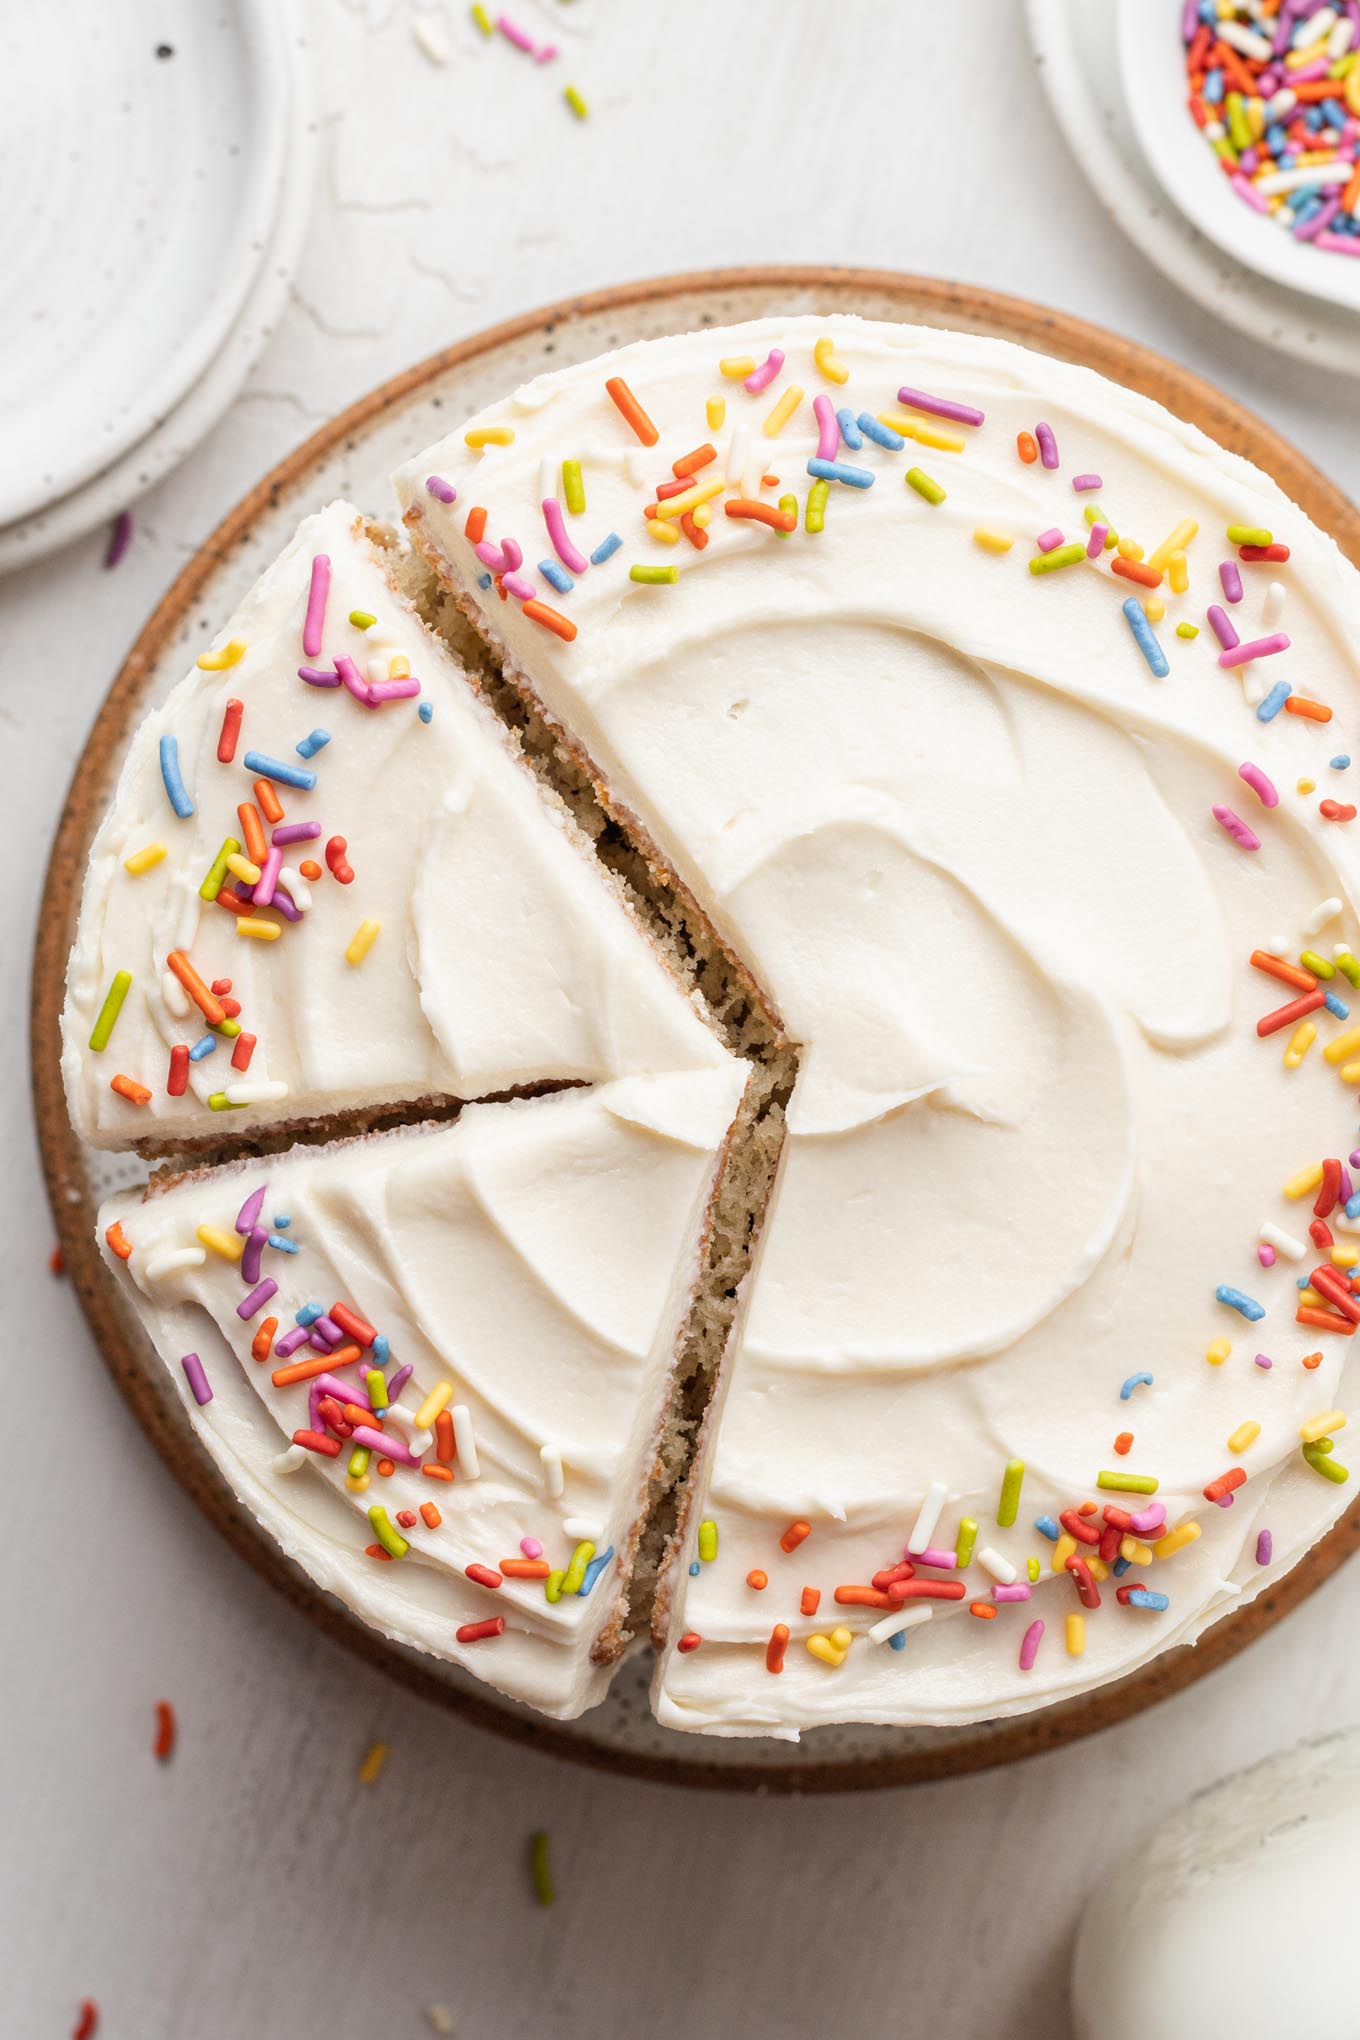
point(1048, 540)
point(285, 1347)
point(1265, 1546)
point(1318, 222)
point(329, 1330)
point(198, 1380)
point(1354, 1158)
point(941, 407)
point(445, 491)
point(399, 1381)
point(1047, 444)
point(1264, 1360)
point(120, 538)
point(257, 1299)
point(295, 832)
point(1231, 579)
point(319, 676)
point(250, 1210)
point(1081, 482)
point(1221, 624)
point(252, 1252)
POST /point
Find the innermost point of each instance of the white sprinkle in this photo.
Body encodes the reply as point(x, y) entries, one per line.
point(1277, 106)
point(1339, 41)
point(893, 1625)
point(583, 1528)
point(1311, 173)
point(1278, 945)
point(1239, 37)
point(440, 2018)
point(1272, 1235)
point(1323, 912)
point(554, 1481)
point(430, 40)
point(928, 1515)
point(418, 1440)
point(737, 454)
point(1000, 1568)
point(465, 1442)
point(547, 477)
point(175, 997)
point(266, 1092)
point(173, 1258)
point(188, 921)
point(1272, 609)
point(296, 887)
point(1310, 31)
point(291, 1460)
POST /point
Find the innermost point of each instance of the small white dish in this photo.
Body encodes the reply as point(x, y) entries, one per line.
point(1152, 63)
point(141, 159)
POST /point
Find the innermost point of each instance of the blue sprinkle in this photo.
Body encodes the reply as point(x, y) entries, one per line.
point(283, 1245)
point(1353, 1206)
point(882, 435)
point(1145, 637)
point(898, 1641)
point(1338, 1008)
point(593, 1571)
point(557, 576)
point(282, 1220)
point(606, 549)
point(1301, 1282)
point(694, 1569)
point(1134, 1381)
point(309, 746)
point(274, 768)
point(483, 580)
point(426, 711)
point(1046, 1527)
point(1274, 701)
point(1340, 762)
point(1143, 1597)
point(309, 1313)
point(1212, 94)
point(205, 1045)
point(1236, 1299)
point(381, 1350)
point(174, 784)
point(850, 431)
point(1120, 1567)
point(837, 471)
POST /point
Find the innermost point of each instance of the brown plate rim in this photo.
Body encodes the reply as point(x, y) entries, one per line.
point(932, 301)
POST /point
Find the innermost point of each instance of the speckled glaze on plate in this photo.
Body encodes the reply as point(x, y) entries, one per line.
point(353, 455)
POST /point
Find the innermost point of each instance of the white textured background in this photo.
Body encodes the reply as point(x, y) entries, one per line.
point(252, 1888)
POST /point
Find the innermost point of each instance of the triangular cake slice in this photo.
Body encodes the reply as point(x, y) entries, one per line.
point(436, 1362)
point(406, 916)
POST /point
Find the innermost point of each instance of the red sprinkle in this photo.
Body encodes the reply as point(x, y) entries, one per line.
point(351, 1324)
point(88, 2023)
point(317, 1441)
point(336, 861)
point(177, 1083)
point(690, 1640)
point(1285, 1016)
point(163, 1746)
point(483, 1575)
point(1336, 811)
point(473, 1632)
point(1256, 553)
point(231, 730)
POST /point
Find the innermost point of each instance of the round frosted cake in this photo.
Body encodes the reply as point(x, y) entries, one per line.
point(809, 1110)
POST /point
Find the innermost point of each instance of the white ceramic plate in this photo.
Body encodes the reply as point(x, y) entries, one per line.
point(1076, 47)
point(173, 435)
point(1152, 63)
point(140, 188)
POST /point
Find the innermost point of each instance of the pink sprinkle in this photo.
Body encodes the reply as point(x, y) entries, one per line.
point(1244, 188)
point(545, 53)
point(828, 431)
point(1143, 1522)
point(1260, 785)
point(445, 491)
point(501, 559)
point(385, 1442)
point(760, 378)
point(1264, 1360)
point(933, 1555)
point(1265, 1547)
point(1221, 624)
point(1340, 244)
point(1047, 444)
point(393, 690)
point(531, 1547)
point(1231, 580)
point(120, 538)
point(1095, 544)
point(513, 33)
point(1265, 1255)
point(269, 876)
point(1080, 482)
point(1018, 1592)
point(520, 586)
point(1245, 838)
point(1259, 648)
point(314, 622)
point(352, 677)
point(1048, 540)
point(1029, 1646)
point(940, 407)
point(574, 561)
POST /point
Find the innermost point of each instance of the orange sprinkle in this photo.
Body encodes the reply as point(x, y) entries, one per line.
point(697, 537)
point(310, 868)
point(551, 619)
point(1315, 711)
point(632, 410)
point(1323, 1320)
point(776, 1647)
point(794, 1536)
point(129, 1088)
point(770, 481)
point(164, 1744)
point(443, 1438)
point(211, 1008)
point(810, 1601)
point(1123, 1442)
point(271, 807)
point(1087, 1509)
point(252, 832)
point(1135, 570)
point(117, 1241)
point(432, 1472)
point(430, 1516)
point(475, 527)
point(524, 1568)
point(757, 1579)
point(320, 1363)
point(376, 1551)
point(1028, 449)
point(386, 1467)
point(1312, 1360)
point(262, 1343)
point(1350, 197)
point(853, 1596)
point(746, 507)
point(690, 463)
point(983, 1608)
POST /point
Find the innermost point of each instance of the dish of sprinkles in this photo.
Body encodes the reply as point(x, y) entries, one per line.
point(1274, 86)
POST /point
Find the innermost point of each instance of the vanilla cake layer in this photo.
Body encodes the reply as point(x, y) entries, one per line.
point(461, 942)
point(529, 1272)
point(936, 762)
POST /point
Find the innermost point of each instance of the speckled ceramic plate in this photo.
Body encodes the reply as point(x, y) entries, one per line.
point(353, 455)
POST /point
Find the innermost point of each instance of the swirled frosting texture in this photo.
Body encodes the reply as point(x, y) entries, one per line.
point(964, 839)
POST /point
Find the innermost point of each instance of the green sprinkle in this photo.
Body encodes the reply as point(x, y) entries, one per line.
point(1349, 968)
point(918, 479)
point(1061, 556)
point(109, 1011)
point(376, 1385)
point(655, 577)
point(708, 1542)
point(358, 1462)
point(965, 1541)
point(540, 1868)
point(220, 1102)
point(483, 20)
point(1187, 630)
point(816, 505)
point(573, 487)
point(1239, 131)
point(1319, 965)
point(1093, 514)
point(217, 870)
point(572, 97)
point(1249, 534)
point(391, 1540)
point(1128, 1483)
point(229, 1028)
point(362, 619)
point(576, 1571)
point(1319, 1458)
point(1033, 1569)
point(1009, 1504)
point(789, 505)
point(552, 1586)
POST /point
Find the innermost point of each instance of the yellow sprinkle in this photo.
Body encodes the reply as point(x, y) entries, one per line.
point(665, 534)
point(363, 939)
point(575, 101)
point(1135, 1551)
point(1154, 609)
point(1342, 1046)
point(1076, 1635)
point(217, 662)
point(1307, 786)
point(1350, 1073)
point(1129, 549)
point(823, 1648)
point(1300, 1041)
point(439, 1397)
point(1344, 1257)
point(991, 540)
point(824, 354)
point(1175, 542)
point(783, 411)
point(489, 435)
point(373, 1762)
point(1179, 571)
point(230, 1246)
point(262, 931)
point(142, 860)
point(1306, 1180)
point(1097, 1567)
point(716, 410)
point(1218, 1352)
point(690, 499)
point(399, 667)
point(1314, 1299)
point(1064, 1549)
point(924, 435)
point(1319, 1427)
point(1177, 1539)
point(703, 516)
point(357, 1483)
point(242, 867)
point(1245, 1434)
point(736, 367)
point(483, 20)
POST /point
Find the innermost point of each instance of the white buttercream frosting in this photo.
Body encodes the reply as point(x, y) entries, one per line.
point(538, 1258)
point(964, 838)
point(502, 958)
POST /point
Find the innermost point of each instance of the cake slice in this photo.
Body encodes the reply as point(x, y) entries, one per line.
point(519, 1284)
point(327, 886)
